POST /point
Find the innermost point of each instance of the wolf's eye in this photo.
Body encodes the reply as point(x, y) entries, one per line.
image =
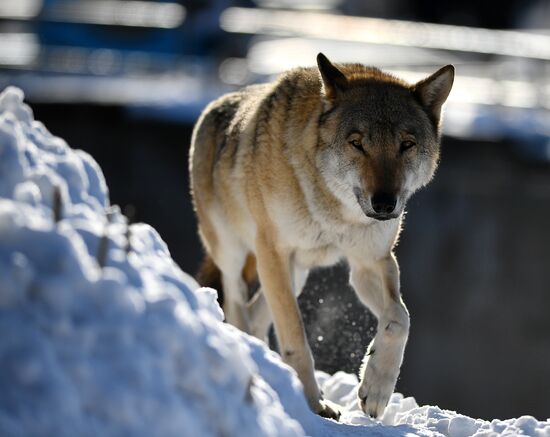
point(357, 144)
point(406, 145)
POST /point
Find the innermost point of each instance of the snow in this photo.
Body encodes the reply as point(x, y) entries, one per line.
point(102, 333)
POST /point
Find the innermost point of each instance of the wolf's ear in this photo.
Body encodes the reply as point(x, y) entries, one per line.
point(434, 90)
point(334, 80)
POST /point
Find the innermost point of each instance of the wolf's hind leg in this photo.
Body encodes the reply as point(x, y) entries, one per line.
point(234, 305)
point(230, 257)
point(378, 288)
point(260, 315)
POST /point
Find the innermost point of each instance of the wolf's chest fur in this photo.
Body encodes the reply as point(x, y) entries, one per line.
point(317, 238)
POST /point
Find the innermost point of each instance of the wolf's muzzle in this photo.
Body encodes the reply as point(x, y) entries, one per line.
point(383, 204)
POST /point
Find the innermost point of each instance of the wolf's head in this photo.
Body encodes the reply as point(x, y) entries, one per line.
point(379, 136)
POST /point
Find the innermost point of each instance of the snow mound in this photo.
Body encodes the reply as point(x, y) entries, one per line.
point(102, 334)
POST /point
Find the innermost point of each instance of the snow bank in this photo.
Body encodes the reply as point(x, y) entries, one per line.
point(103, 335)
point(403, 416)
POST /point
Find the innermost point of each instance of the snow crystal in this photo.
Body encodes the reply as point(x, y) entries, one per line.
point(103, 334)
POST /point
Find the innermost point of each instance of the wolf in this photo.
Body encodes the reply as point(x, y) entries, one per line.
point(303, 172)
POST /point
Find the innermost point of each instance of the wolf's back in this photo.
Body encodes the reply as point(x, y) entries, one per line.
point(243, 140)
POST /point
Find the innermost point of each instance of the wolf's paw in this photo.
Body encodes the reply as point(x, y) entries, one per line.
point(329, 410)
point(376, 387)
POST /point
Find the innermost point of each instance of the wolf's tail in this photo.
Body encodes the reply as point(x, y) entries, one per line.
point(209, 275)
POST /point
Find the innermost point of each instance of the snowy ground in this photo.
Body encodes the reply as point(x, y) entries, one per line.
point(103, 335)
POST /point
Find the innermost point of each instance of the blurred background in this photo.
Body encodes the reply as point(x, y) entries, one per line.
point(126, 80)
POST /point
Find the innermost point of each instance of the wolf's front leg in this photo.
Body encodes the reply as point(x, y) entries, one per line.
point(274, 271)
point(378, 287)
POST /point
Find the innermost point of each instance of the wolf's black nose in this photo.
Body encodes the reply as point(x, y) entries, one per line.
point(383, 203)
